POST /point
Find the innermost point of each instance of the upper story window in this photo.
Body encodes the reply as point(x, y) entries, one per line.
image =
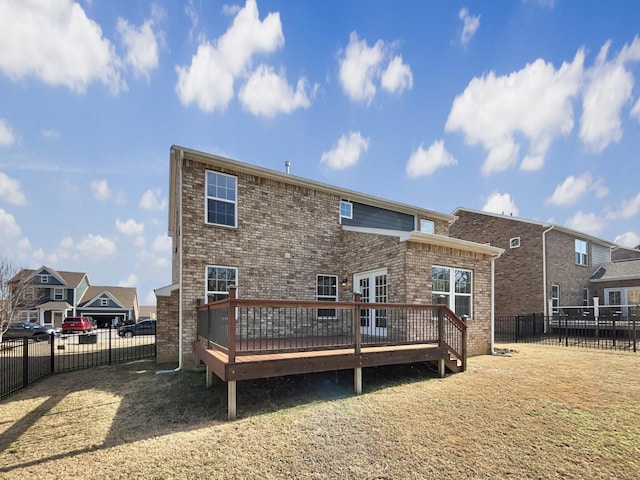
point(427, 226)
point(456, 286)
point(218, 281)
point(327, 291)
point(346, 209)
point(581, 252)
point(44, 278)
point(514, 242)
point(555, 298)
point(104, 302)
point(58, 294)
point(221, 199)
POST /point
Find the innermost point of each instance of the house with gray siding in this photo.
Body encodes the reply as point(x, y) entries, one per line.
point(53, 295)
point(273, 235)
point(542, 263)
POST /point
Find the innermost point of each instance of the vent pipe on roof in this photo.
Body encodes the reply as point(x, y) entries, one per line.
point(287, 164)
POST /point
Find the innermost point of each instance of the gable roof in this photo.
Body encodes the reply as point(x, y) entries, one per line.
point(218, 161)
point(620, 270)
point(70, 279)
point(544, 225)
point(125, 296)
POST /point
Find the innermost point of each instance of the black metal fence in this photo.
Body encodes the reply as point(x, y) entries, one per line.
point(25, 360)
point(606, 332)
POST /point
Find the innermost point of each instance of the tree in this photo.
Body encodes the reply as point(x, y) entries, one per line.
point(13, 293)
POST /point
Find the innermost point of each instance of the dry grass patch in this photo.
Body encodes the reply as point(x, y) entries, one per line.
point(541, 412)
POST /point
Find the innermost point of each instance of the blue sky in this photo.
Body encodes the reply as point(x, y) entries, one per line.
point(530, 108)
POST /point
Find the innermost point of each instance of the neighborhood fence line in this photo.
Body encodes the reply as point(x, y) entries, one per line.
point(610, 332)
point(25, 360)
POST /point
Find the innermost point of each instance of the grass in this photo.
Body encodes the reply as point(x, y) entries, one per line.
point(536, 412)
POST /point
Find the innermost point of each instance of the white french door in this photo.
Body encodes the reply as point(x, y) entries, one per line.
point(373, 288)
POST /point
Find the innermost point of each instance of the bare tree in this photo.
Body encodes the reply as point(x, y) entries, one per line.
point(13, 293)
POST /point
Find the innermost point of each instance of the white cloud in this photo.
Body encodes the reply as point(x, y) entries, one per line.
point(150, 299)
point(534, 102)
point(152, 200)
point(191, 12)
point(101, 190)
point(267, 93)
point(46, 133)
point(425, 162)
point(501, 203)
point(58, 44)
point(10, 190)
point(609, 88)
point(141, 45)
point(362, 67)
point(570, 191)
point(96, 246)
point(397, 77)
point(9, 228)
point(628, 208)
point(589, 223)
point(471, 24)
point(628, 239)
point(162, 244)
point(129, 227)
point(130, 281)
point(346, 152)
point(208, 81)
point(7, 137)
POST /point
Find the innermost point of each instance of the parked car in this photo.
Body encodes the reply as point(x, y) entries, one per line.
point(146, 327)
point(78, 324)
point(29, 329)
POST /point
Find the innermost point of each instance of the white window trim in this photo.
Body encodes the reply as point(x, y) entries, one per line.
point(55, 296)
point(350, 216)
point(104, 302)
point(208, 292)
point(44, 278)
point(207, 197)
point(326, 298)
point(427, 221)
point(514, 242)
point(586, 252)
point(452, 288)
point(555, 308)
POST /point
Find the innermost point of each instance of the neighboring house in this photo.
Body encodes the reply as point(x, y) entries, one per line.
point(625, 253)
point(542, 262)
point(617, 284)
point(278, 236)
point(147, 312)
point(54, 295)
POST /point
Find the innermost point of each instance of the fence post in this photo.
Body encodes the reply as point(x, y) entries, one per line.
point(517, 327)
point(357, 337)
point(613, 331)
point(233, 303)
point(25, 361)
point(52, 353)
point(110, 325)
point(633, 321)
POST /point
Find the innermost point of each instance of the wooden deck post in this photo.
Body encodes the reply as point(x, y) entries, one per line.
point(357, 380)
point(357, 337)
point(441, 371)
point(209, 377)
point(232, 324)
point(231, 400)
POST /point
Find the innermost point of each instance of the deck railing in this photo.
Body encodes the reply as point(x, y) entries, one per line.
point(251, 326)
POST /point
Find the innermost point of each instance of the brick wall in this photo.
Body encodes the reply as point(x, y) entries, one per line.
point(167, 326)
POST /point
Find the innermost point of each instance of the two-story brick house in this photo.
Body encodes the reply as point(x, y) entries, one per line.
point(53, 295)
point(278, 236)
point(542, 262)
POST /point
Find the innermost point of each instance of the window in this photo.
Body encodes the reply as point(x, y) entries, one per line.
point(456, 286)
point(346, 209)
point(58, 294)
point(555, 299)
point(514, 242)
point(218, 280)
point(327, 291)
point(221, 199)
point(427, 226)
point(581, 252)
point(104, 302)
point(44, 278)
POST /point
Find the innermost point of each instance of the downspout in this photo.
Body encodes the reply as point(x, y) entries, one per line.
point(493, 300)
point(179, 228)
point(544, 269)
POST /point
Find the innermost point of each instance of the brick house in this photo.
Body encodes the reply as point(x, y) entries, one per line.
point(617, 284)
point(53, 295)
point(278, 236)
point(542, 262)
